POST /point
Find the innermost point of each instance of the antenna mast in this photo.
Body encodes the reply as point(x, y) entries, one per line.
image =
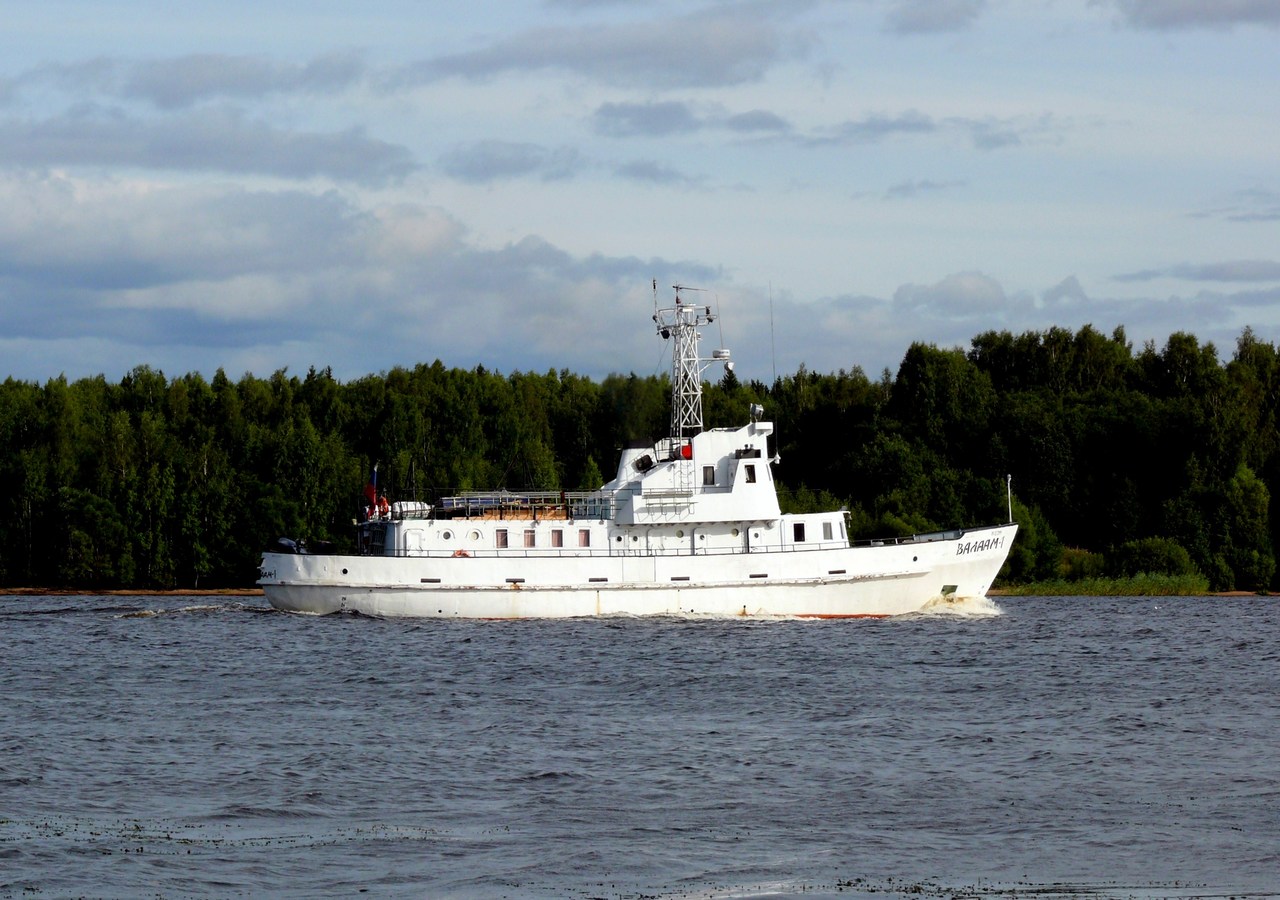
point(680, 322)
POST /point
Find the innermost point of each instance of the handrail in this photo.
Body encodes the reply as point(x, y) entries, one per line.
point(493, 553)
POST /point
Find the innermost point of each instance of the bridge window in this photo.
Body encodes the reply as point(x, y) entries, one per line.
point(708, 474)
point(500, 538)
point(528, 537)
point(826, 531)
point(584, 537)
point(751, 473)
point(797, 532)
point(557, 537)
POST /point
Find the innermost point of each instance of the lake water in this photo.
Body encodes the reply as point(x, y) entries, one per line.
point(1037, 747)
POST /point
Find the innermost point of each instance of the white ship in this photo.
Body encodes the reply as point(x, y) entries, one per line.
point(688, 526)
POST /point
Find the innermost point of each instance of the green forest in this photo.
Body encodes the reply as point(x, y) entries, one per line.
point(1122, 461)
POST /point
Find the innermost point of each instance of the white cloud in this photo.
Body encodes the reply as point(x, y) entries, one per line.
point(61, 232)
point(215, 140)
point(659, 119)
point(160, 269)
point(930, 16)
point(909, 189)
point(1185, 14)
point(486, 161)
point(182, 81)
point(757, 120)
point(656, 173)
point(715, 48)
point(1227, 270)
point(960, 296)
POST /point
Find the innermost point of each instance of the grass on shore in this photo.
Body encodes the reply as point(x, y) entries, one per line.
point(1140, 585)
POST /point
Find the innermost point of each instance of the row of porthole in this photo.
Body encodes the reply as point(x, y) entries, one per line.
point(701, 537)
point(448, 535)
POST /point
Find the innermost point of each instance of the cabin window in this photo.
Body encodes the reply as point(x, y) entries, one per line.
point(708, 474)
point(528, 537)
point(500, 538)
point(797, 532)
point(584, 537)
point(826, 531)
point(751, 473)
point(557, 537)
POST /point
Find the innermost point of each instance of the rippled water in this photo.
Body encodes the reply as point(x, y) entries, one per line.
point(1064, 747)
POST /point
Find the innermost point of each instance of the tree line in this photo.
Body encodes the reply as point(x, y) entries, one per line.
point(1121, 461)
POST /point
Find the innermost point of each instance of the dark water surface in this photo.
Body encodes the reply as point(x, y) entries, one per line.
point(1066, 747)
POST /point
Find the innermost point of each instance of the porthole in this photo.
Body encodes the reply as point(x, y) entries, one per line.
point(736, 532)
point(475, 535)
point(679, 532)
point(634, 538)
point(344, 571)
point(755, 536)
point(618, 539)
point(702, 537)
point(448, 535)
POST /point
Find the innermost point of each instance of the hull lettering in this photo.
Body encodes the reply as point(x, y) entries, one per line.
point(969, 547)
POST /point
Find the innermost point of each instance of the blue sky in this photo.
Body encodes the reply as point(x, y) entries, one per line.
point(272, 185)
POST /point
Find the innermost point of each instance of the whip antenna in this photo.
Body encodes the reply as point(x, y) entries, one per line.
point(773, 346)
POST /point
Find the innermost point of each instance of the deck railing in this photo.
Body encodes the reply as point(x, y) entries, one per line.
point(529, 505)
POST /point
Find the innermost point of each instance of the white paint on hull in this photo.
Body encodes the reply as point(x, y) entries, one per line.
point(882, 580)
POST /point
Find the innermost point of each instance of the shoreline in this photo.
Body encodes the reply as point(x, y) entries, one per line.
point(1014, 593)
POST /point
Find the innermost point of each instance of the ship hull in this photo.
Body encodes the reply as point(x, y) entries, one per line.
point(886, 579)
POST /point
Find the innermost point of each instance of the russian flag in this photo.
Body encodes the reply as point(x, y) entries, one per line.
point(371, 489)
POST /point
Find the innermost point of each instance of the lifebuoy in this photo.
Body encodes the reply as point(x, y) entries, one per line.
point(461, 553)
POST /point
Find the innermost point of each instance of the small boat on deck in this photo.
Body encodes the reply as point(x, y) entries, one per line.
point(689, 525)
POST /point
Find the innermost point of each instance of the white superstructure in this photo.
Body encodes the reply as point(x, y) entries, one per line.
point(689, 525)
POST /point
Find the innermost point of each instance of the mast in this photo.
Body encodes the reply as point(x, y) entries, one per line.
point(679, 323)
